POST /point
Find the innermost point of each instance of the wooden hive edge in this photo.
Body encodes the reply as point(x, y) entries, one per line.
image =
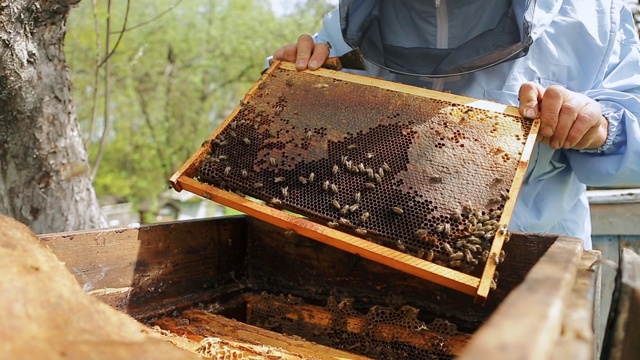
point(529, 321)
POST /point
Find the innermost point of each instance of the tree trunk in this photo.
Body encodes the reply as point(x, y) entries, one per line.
point(44, 171)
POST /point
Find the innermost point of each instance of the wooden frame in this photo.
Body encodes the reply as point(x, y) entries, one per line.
point(183, 179)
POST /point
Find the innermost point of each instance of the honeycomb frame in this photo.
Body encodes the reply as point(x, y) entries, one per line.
point(376, 168)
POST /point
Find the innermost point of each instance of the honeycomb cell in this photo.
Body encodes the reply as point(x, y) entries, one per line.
point(379, 164)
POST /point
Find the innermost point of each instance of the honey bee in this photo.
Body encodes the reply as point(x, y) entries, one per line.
point(353, 207)
point(381, 173)
point(397, 210)
point(347, 164)
point(223, 157)
point(485, 256)
point(345, 209)
point(246, 141)
point(244, 173)
point(430, 255)
point(369, 172)
point(206, 195)
point(369, 155)
point(233, 124)
point(401, 246)
point(421, 234)
point(420, 254)
point(343, 159)
point(365, 216)
point(456, 216)
point(334, 188)
point(352, 146)
point(332, 224)
point(275, 201)
point(335, 169)
point(311, 177)
point(436, 179)
point(361, 167)
point(496, 214)
point(345, 222)
point(385, 167)
point(378, 178)
point(285, 191)
point(502, 255)
point(504, 195)
point(279, 109)
point(468, 207)
point(495, 200)
point(257, 185)
point(272, 161)
point(455, 263)
point(456, 256)
point(357, 197)
point(495, 258)
point(223, 142)
point(473, 240)
point(309, 134)
point(227, 170)
point(302, 179)
point(361, 231)
point(468, 256)
point(232, 133)
point(447, 248)
point(278, 179)
point(493, 285)
point(369, 186)
point(325, 185)
point(335, 204)
point(447, 229)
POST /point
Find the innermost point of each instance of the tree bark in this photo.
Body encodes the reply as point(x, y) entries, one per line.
point(44, 171)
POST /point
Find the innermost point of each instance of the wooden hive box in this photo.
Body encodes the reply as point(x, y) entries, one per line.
point(422, 181)
point(237, 286)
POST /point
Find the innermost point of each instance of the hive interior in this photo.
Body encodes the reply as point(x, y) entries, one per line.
point(425, 176)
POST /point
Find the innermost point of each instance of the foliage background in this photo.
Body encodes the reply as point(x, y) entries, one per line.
point(178, 68)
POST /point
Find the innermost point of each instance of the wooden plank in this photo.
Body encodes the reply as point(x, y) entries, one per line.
point(615, 219)
point(613, 196)
point(625, 329)
point(246, 340)
point(507, 212)
point(609, 248)
point(528, 322)
point(147, 270)
point(577, 336)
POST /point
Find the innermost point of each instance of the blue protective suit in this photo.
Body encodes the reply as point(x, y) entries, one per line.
point(590, 47)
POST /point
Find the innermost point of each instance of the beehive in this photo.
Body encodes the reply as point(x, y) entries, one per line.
point(420, 180)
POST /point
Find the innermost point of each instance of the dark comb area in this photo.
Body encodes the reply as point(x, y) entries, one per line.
point(424, 176)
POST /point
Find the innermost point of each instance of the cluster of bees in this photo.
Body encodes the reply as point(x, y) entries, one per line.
point(471, 244)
